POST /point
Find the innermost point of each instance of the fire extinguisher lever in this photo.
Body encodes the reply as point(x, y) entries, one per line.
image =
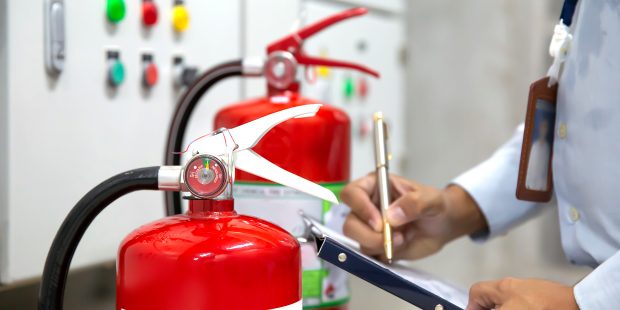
point(244, 138)
point(285, 54)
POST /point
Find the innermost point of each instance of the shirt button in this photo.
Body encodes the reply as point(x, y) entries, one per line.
point(562, 131)
point(573, 214)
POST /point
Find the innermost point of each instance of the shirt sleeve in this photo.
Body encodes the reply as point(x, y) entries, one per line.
point(601, 288)
point(493, 183)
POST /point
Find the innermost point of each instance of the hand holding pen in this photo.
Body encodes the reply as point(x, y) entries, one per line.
point(422, 219)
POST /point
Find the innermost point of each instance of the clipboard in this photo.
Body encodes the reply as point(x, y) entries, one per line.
point(421, 290)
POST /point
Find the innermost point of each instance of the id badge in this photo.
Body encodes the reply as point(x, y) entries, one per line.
point(535, 181)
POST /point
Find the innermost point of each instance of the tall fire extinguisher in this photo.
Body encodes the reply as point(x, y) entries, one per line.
point(209, 258)
point(318, 149)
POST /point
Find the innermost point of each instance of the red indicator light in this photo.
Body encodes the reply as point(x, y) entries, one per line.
point(149, 13)
point(362, 87)
point(150, 75)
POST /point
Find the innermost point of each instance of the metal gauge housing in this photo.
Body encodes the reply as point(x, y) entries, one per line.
point(205, 176)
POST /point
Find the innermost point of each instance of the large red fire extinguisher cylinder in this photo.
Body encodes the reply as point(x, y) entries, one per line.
point(209, 258)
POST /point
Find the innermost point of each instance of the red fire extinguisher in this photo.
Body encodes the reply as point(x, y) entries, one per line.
point(209, 258)
point(318, 149)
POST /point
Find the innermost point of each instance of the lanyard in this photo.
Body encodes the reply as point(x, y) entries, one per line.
point(568, 10)
point(561, 40)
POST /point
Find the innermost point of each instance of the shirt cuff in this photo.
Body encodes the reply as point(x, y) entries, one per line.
point(601, 288)
point(492, 184)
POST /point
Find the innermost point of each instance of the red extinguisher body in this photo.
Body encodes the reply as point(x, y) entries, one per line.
point(315, 148)
point(209, 258)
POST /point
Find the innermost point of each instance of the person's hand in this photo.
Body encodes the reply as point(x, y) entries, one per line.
point(517, 294)
point(423, 218)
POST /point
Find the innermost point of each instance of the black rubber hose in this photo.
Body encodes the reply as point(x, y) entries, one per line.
point(51, 292)
point(181, 117)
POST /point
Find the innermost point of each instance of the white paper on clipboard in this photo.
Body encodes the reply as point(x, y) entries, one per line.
point(427, 281)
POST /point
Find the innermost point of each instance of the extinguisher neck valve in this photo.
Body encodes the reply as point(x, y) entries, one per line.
point(211, 207)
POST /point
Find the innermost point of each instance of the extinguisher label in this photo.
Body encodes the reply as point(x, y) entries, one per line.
point(296, 306)
point(323, 285)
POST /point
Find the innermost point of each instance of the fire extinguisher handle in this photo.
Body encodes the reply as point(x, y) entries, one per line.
point(293, 43)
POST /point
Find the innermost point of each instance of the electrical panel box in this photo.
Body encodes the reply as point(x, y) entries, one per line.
point(95, 102)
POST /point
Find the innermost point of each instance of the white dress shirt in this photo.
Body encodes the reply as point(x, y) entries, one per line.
point(586, 159)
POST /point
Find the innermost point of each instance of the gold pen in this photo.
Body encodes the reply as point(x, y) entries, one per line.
point(382, 158)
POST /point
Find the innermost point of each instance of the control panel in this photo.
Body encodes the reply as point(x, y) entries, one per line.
point(87, 89)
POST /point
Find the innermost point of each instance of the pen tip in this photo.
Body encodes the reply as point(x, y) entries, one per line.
point(389, 261)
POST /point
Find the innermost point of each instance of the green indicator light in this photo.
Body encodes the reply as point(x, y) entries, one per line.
point(349, 88)
point(117, 73)
point(115, 10)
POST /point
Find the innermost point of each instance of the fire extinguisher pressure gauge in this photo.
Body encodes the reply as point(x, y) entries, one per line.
point(205, 176)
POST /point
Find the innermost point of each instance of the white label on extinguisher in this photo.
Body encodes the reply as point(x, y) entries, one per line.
point(323, 284)
point(296, 306)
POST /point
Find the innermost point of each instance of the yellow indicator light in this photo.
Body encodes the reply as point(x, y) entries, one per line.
point(323, 71)
point(180, 18)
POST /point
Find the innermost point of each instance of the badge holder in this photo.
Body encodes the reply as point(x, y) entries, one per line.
point(535, 181)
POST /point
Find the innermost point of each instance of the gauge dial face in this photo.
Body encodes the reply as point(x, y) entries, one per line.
point(205, 176)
